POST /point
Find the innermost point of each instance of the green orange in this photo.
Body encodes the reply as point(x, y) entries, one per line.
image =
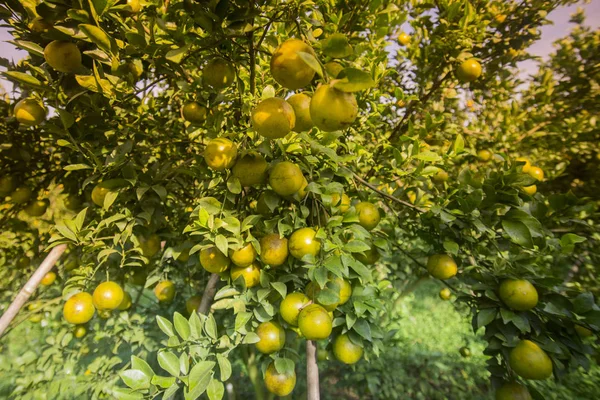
point(108, 296)
point(346, 351)
point(165, 291)
point(303, 242)
point(529, 361)
point(272, 337)
point(518, 294)
point(290, 307)
point(79, 308)
point(243, 256)
point(273, 250)
point(368, 215)
point(441, 266)
point(280, 384)
point(213, 260)
point(250, 274)
point(220, 154)
point(314, 322)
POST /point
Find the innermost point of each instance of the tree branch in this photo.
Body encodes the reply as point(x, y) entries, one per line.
point(209, 294)
point(312, 372)
point(30, 286)
point(387, 196)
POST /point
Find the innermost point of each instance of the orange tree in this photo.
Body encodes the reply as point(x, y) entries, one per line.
point(248, 178)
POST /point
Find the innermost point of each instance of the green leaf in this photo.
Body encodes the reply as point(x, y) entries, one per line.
point(215, 390)
point(126, 394)
point(176, 55)
point(200, 373)
point(163, 381)
point(568, 241)
point(356, 246)
point(221, 243)
point(135, 379)
point(280, 287)
point(234, 185)
point(459, 144)
point(165, 325)
point(99, 6)
point(141, 365)
point(241, 319)
point(31, 47)
point(169, 362)
point(311, 61)
point(518, 232)
point(23, 78)
point(210, 327)
point(353, 80)
point(485, 316)
point(224, 367)
point(66, 118)
point(363, 328)
point(451, 247)
point(583, 303)
point(181, 326)
point(284, 365)
point(337, 46)
point(97, 36)
point(77, 167)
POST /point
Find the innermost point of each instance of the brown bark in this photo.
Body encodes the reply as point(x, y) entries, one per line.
point(312, 372)
point(209, 294)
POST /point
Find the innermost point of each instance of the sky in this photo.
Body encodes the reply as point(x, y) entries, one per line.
point(541, 48)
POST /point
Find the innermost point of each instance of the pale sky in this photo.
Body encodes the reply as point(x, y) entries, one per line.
point(542, 48)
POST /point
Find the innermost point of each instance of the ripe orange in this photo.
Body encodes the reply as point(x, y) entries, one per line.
point(251, 169)
point(273, 118)
point(441, 266)
point(250, 274)
point(301, 105)
point(346, 351)
point(192, 304)
point(126, 303)
point(342, 202)
point(303, 242)
point(218, 73)
point(194, 112)
point(469, 70)
point(280, 384)
point(37, 208)
point(333, 110)
point(48, 279)
point(518, 294)
point(288, 69)
point(213, 260)
point(529, 361)
point(220, 153)
point(445, 294)
point(286, 178)
point(63, 56)
point(333, 68)
point(536, 173)
point(21, 195)
point(79, 308)
point(134, 6)
point(404, 39)
point(513, 391)
point(368, 215)
point(345, 289)
point(273, 250)
point(244, 256)
point(583, 332)
point(440, 177)
point(79, 331)
point(108, 296)
point(290, 307)
point(525, 167)
point(103, 188)
point(165, 291)
point(314, 322)
point(484, 155)
point(530, 190)
point(272, 337)
point(30, 112)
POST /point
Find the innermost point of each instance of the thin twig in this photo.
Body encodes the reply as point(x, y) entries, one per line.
point(209, 294)
point(384, 194)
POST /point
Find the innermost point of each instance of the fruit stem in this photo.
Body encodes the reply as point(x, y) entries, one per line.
point(312, 372)
point(30, 286)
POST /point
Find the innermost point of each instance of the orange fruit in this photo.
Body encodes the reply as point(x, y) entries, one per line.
point(290, 307)
point(272, 337)
point(244, 256)
point(529, 361)
point(192, 304)
point(273, 118)
point(273, 250)
point(368, 215)
point(333, 110)
point(220, 153)
point(368, 257)
point(314, 322)
point(250, 274)
point(80, 331)
point(213, 260)
point(441, 266)
point(513, 391)
point(303, 242)
point(518, 294)
point(165, 291)
point(403, 39)
point(30, 112)
point(108, 296)
point(583, 332)
point(288, 69)
point(530, 190)
point(342, 202)
point(63, 56)
point(251, 169)
point(150, 245)
point(280, 384)
point(194, 112)
point(79, 308)
point(286, 178)
point(346, 351)
point(126, 303)
point(469, 70)
point(301, 105)
point(48, 279)
point(525, 167)
point(37, 208)
point(21, 195)
point(218, 73)
point(445, 294)
point(536, 173)
point(440, 177)
point(484, 155)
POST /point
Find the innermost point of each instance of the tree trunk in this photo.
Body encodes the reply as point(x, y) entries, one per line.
point(312, 372)
point(209, 294)
point(30, 286)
